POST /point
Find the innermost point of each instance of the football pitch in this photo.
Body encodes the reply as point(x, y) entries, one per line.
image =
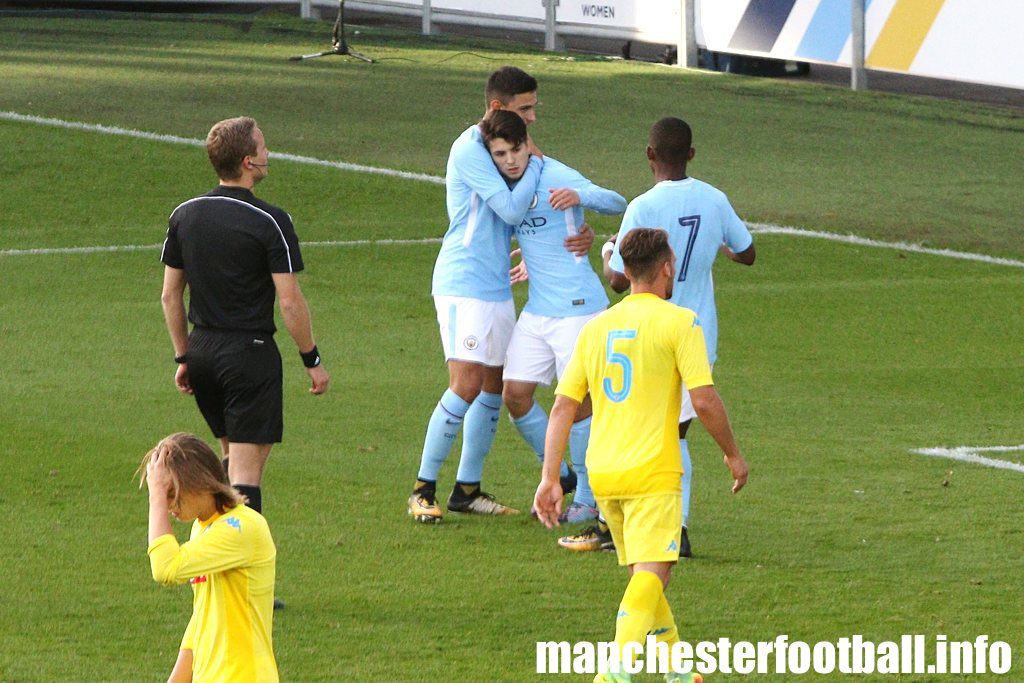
point(837, 359)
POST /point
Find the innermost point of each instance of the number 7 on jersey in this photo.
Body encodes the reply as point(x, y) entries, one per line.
point(622, 360)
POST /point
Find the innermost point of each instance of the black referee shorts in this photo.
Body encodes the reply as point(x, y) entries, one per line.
point(237, 380)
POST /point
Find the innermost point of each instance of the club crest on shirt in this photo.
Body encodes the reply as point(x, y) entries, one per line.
point(471, 342)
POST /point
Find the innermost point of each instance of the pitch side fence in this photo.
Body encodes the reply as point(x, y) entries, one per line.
point(979, 41)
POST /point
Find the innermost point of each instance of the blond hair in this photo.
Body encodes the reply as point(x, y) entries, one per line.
point(194, 468)
point(228, 143)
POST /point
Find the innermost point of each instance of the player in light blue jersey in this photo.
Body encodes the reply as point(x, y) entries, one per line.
point(473, 298)
point(700, 223)
point(564, 293)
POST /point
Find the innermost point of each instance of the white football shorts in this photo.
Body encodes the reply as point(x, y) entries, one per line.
point(541, 346)
point(474, 330)
point(686, 411)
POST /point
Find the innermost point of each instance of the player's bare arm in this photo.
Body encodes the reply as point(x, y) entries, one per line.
point(172, 299)
point(182, 672)
point(745, 257)
point(548, 499)
point(296, 318)
point(711, 411)
point(616, 280)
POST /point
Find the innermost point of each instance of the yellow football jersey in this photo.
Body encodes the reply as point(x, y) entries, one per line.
point(633, 358)
point(230, 560)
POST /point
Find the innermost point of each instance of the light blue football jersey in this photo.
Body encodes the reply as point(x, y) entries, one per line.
point(562, 284)
point(699, 219)
point(473, 261)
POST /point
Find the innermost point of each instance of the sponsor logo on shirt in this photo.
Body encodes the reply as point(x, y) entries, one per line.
point(198, 579)
point(234, 523)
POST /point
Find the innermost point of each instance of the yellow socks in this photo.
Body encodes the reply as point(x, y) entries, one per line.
point(638, 609)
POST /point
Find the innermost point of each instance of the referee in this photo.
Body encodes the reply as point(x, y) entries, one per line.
point(235, 252)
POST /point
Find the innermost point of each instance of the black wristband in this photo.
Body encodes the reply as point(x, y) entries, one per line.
point(311, 359)
point(183, 358)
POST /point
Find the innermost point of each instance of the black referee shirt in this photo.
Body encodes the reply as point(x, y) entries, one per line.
point(228, 243)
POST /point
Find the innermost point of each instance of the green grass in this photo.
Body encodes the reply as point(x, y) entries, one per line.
point(835, 360)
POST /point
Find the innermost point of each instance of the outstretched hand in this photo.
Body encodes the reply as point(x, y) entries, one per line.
point(319, 378)
point(181, 379)
point(563, 198)
point(580, 243)
point(738, 467)
point(518, 273)
point(548, 503)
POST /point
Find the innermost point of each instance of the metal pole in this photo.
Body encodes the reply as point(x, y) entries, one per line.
point(428, 19)
point(551, 42)
point(858, 74)
point(687, 47)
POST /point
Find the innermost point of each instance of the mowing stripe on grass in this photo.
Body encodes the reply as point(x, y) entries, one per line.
point(758, 228)
point(174, 139)
point(970, 454)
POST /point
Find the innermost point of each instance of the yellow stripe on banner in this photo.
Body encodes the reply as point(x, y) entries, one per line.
point(903, 34)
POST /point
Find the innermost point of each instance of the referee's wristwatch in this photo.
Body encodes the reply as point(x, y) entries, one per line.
point(183, 358)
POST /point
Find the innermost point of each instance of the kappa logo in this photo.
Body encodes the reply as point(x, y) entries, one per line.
point(471, 343)
point(622, 613)
point(672, 546)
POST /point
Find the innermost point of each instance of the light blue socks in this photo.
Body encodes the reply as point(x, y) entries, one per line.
point(444, 426)
point(579, 436)
point(684, 452)
point(478, 436)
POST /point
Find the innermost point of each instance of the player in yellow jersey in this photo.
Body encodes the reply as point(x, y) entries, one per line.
point(634, 359)
point(229, 559)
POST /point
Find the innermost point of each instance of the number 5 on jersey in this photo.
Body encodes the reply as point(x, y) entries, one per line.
point(622, 360)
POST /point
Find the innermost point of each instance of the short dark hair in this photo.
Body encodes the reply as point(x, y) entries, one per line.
point(643, 250)
point(503, 124)
point(506, 83)
point(228, 143)
point(671, 140)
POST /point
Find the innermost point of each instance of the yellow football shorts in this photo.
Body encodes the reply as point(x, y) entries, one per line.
point(644, 528)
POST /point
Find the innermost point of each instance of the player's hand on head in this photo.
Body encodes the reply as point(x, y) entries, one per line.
point(738, 467)
point(580, 243)
point(518, 272)
point(158, 476)
point(320, 379)
point(181, 379)
point(563, 198)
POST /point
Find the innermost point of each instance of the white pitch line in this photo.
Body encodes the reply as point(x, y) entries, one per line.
point(155, 247)
point(768, 229)
point(760, 228)
point(970, 454)
point(174, 139)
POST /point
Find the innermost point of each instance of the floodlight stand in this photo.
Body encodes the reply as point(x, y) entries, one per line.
point(337, 40)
